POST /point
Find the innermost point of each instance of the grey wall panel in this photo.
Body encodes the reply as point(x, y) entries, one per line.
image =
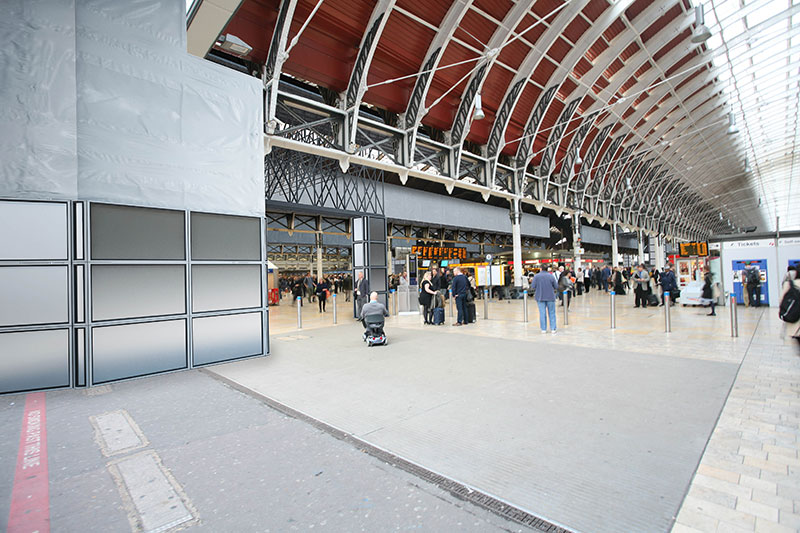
point(628, 241)
point(34, 360)
point(377, 229)
point(377, 254)
point(33, 295)
point(377, 279)
point(136, 233)
point(128, 291)
point(223, 238)
point(220, 287)
point(132, 350)
point(595, 236)
point(33, 230)
point(411, 205)
point(358, 255)
point(221, 338)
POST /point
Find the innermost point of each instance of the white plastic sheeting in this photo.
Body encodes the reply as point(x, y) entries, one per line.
point(37, 99)
point(146, 123)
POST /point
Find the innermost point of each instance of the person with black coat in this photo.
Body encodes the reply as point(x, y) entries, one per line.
point(426, 294)
point(708, 291)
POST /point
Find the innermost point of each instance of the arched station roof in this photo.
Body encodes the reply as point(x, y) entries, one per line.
point(599, 106)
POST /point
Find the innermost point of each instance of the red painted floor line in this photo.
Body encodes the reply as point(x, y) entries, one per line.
point(30, 497)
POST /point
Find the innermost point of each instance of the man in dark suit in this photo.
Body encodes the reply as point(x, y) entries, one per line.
point(362, 292)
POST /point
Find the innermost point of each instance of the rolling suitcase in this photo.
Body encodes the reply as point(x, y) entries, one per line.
point(438, 316)
point(470, 312)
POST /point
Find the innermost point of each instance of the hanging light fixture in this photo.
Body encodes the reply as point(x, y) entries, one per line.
point(478, 113)
point(701, 32)
point(578, 160)
point(747, 165)
point(732, 129)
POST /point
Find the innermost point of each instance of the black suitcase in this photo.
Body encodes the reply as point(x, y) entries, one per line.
point(470, 312)
point(653, 300)
point(438, 316)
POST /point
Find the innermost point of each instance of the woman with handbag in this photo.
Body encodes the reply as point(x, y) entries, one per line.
point(323, 289)
point(426, 295)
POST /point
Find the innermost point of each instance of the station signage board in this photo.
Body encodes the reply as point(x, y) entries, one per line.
point(691, 249)
point(437, 252)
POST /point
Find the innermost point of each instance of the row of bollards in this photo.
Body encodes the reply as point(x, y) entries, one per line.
point(613, 316)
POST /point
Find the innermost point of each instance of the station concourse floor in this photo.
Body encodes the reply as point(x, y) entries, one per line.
point(591, 429)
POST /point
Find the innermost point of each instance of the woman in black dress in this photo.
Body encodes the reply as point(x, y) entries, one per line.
point(425, 296)
point(322, 290)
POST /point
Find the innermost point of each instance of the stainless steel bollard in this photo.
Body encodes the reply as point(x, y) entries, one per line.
point(393, 296)
point(450, 306)
point(525, 305)
point(299, 312)
point(613, 309)
point(334, 307)
point(485, 304)
point(734, 317)
point(566, 308)
point(667, 318)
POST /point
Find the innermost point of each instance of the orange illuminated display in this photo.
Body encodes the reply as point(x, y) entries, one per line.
point(436, 252)
point(689, 249)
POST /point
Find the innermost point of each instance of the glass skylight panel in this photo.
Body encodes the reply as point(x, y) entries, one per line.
point(765, 11)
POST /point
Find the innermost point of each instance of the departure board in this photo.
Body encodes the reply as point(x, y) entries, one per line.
point(436, 252)
point(689, 249)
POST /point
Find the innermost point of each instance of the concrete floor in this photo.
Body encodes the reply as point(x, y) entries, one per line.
point(594, 439)
point(594, 429)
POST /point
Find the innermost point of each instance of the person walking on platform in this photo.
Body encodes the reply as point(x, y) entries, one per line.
point(754, 286)
point(426, 295)
point(308, 285)
point(544, 291)
point(460, 285)
point(362, 291)
point(347, 286)
point(668, 284)
point(323, 289)
point(587, 279)
point(297, 291)
point(642, 279)
point(708, 291)
point(565, 286)
point(618, 281)
point(605, 275)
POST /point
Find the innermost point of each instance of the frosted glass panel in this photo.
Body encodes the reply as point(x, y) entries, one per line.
point(219, 287)
point(33, 230)
point(123, 232)
point(224, 238)
point(358, 255)
point(34, 360)
point(138, 349)
point(221, 338)
point(127, 291)
point(33, 295)
point(358, 229)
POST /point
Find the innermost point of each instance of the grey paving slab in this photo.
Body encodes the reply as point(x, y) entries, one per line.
point(11, 410)
point(595, 439)
point(240, 464)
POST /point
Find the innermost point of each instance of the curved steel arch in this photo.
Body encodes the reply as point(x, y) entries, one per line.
point(416, 110)
point(358, 75)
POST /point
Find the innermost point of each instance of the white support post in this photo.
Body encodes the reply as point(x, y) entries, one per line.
point(319, 256)
point(576, 241)
point(640, 242)
point(516, 238)
point(614, 246)
point(660, 253)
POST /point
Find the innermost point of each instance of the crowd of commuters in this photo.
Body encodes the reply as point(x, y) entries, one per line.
point(313, 289)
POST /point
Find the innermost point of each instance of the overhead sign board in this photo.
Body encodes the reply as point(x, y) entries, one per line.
point(689, 249)
point(436, 252)
point(757, 243)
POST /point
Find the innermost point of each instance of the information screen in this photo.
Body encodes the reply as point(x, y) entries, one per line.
point(435, 252)
point(689, 249)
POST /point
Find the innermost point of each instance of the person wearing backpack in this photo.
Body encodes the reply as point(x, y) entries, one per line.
point(789, 310)
point(754, 286)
